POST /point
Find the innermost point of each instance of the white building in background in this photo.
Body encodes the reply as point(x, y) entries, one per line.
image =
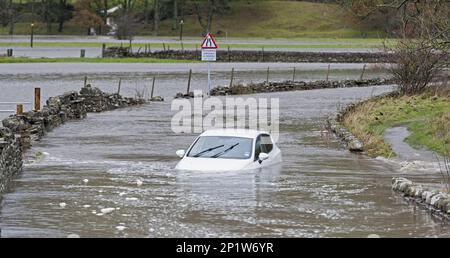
point(110, 21)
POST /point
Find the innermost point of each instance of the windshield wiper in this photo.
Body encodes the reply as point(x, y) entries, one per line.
point(207, 150)
point(225, 151)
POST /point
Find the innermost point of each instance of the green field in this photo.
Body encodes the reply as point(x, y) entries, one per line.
point(261, 19)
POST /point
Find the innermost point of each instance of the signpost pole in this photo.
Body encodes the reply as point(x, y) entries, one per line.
point(209, 77)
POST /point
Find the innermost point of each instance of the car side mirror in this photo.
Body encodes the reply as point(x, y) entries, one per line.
point(262, 156)
point(180, 153)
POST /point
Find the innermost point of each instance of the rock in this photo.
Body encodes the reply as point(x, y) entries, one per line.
point(373, 236)
point(89, 90)
point(435, 198)
point(62, 204)
point(73, 236)
point(157, 98)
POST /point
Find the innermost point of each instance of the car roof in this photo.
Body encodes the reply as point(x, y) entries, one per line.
point(247, 133)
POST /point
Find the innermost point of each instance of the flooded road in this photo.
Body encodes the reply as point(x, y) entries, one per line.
point(111, 174)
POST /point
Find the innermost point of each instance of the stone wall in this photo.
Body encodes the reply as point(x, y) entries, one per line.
point(20, 131)
point(435, 201)
point(259, 56)
point(292, 86)
point(10, 157)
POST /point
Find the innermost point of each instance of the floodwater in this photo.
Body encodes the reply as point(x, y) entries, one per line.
point(111, 174)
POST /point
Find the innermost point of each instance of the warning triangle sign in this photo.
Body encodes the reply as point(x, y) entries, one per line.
point(208, 42)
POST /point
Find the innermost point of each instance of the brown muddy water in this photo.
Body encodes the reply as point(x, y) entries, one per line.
point(111, 174)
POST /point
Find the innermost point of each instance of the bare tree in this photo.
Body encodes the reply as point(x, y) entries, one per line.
point(422, 51)
point(63, 14)
point(175, 15)
point(87, 14)
point(146, 12)
point(156, 9)
point(126, 25)
point(8, 14)
point(205, 11)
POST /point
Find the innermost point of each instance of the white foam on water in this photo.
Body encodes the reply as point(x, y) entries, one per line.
point(121, 228)
point(107, 210)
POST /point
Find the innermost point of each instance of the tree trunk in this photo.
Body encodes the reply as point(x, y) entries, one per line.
point(175, 15)
point(210, 15)
point(156, 18)
point(105, 10)
point(11, 27)
point(146, 12)
point(11, 17)
point(61, 15)
point(206, 26)
point(47, 19)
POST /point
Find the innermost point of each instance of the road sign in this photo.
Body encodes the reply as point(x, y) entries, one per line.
point(208, 42)
point(209, 48)
point(209, 55)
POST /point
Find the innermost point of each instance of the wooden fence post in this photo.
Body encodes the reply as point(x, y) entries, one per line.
point(153, 87)
point(189, 81)
point(103, 49)
point(37, 99)
point(362, 74)
point(118, 88)
point(328, 72)
point(19, 109)
point(232, 77)
point(263, 54)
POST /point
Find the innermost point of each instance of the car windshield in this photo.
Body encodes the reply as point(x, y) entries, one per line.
point(224, 147)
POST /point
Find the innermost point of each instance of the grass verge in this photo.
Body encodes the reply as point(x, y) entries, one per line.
point(326, 44)
point(89, 60)
point(427, 117)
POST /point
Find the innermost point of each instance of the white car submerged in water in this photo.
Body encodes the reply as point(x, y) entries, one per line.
point(230, 150)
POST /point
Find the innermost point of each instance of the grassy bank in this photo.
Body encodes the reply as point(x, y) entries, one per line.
point(4, 60)
point(250, 18)
point(426, 116)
